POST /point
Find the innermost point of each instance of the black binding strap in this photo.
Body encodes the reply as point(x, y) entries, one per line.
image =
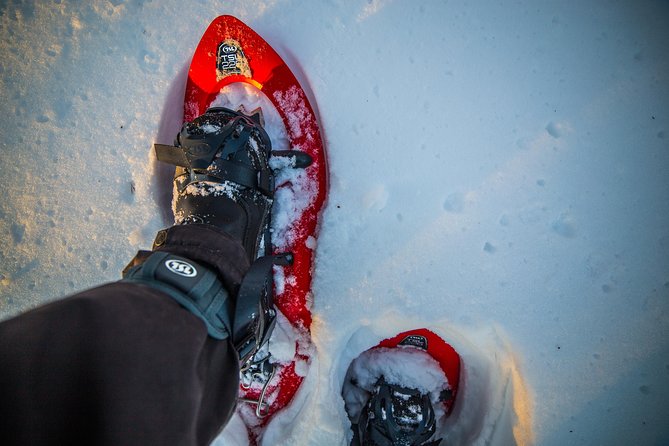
point(171, 155)
point(192, 285)
point(379, 426)
point(255, 316)
point(227, 171)
point(296, 158)
point(197, 151)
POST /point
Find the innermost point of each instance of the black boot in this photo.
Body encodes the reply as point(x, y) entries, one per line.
point(223, 176)
point(223, 190)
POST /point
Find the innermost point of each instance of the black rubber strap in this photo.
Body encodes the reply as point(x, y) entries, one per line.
point(225, 169)
point(171, 155)
point(192, 285)
point(230, 171)
point(296, 158)
point(249, 312)
point(255, 315)
point(198, 151)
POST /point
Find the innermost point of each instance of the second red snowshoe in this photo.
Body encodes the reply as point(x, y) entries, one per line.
point(400, 391)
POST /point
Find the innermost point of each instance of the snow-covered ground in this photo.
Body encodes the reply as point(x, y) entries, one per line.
point(499, 174)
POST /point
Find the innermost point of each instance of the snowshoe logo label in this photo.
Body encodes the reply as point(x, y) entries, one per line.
point(230, 59)
point(416, 341)
point(181, 268)
point(228, 49)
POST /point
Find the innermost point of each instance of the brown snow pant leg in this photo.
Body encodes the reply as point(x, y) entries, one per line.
point(122, 364)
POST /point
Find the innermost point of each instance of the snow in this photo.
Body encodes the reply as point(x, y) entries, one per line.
point(406, 366)
point(210, 128)
point(498, 174)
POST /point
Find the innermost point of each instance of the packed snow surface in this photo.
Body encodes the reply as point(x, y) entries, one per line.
point(499, 174)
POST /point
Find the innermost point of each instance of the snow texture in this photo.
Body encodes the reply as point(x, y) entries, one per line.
point(499, 173)
point(404, 366)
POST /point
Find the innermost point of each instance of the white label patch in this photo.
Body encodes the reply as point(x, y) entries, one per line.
point(181, 268)
point(230, 59)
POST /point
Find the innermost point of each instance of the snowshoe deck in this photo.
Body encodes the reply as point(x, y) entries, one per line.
point(231, 52)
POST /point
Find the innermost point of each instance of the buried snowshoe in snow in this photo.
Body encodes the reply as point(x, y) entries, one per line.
point(400, 391)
